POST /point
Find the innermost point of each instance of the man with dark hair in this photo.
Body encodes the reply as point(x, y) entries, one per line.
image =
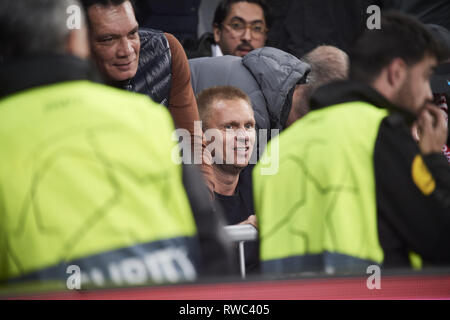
point(85, 182)
point(327, 64)
point(146, 61)
point(229, 124)
point(239, 26)
point(353, 188)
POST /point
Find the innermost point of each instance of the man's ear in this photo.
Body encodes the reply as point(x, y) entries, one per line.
point(78, 44)
point(217, 33)
point(299, 106)
point(397, 72)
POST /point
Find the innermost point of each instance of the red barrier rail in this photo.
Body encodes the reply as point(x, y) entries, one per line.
point(392, 287)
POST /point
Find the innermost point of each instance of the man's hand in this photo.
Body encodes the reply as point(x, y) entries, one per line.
point(251, 220)
point(433, 130)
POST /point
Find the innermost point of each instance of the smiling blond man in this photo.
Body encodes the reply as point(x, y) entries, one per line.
point(229, 125)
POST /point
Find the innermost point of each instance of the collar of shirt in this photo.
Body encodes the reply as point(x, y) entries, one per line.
point(216, 51)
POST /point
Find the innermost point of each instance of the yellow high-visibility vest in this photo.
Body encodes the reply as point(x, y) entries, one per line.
point(322, 198)
point(86, 174)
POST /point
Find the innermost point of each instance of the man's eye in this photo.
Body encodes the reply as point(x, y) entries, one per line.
point(228, 126)
point(258, 28)
point(249, 126)
point(237, 25)
point(109, 39)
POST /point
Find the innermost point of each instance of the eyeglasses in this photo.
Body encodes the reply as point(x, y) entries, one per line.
point(239, 27)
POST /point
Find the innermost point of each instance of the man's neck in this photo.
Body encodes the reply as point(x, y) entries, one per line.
point(225, 181)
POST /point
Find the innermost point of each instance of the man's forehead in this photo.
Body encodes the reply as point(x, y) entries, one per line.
point(221, 110)
point(224, 104)
point(427, 63)
point(112, 19)
point(246, 11)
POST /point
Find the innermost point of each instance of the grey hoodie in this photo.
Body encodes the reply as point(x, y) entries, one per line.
point(267, 75)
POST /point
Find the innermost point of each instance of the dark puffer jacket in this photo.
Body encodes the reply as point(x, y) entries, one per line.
point(154, 74)
point(267, 75)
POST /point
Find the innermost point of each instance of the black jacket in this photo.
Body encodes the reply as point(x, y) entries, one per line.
point(408, 220)
point(200, 47)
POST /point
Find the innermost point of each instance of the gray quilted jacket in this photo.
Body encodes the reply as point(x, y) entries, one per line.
point(267, 75)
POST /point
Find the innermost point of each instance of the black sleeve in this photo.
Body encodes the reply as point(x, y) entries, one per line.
point(216, 253)
point(415, 214)
point(440, 170)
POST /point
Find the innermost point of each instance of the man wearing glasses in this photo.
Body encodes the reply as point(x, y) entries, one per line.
point(239, 26)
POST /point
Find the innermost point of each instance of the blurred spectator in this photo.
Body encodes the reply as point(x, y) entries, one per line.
point(239, 26)
point(353, 189)
point(85, 180)
point(327, 63)
point(441, 100)
point(440, 82)
point(229, 125)
point(145, 61)
point(176, 17)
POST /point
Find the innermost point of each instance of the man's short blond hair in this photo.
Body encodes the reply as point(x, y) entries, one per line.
point(207, 97)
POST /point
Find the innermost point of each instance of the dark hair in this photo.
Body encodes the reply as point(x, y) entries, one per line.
point(89, 3)
point(106, 3)
point(442, 35)
point(224, 8)
point(401, 36)
point(30, 27)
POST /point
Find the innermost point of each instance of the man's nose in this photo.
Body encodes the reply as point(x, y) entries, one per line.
point(125, 48)
point(242, 135)
point(247, 35)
